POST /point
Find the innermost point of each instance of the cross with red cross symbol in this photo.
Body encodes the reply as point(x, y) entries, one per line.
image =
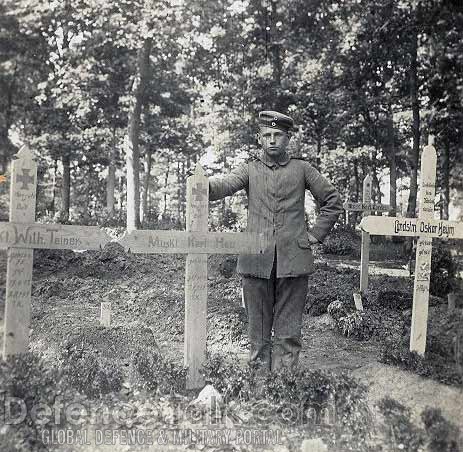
point(25, 179)
point(199, 192)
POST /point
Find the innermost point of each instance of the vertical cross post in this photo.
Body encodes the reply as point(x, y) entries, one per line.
point(197, 210)
point(423, 250)
point(19, 260)
point(365, 251)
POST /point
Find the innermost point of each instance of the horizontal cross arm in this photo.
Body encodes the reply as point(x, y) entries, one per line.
point(362, 206)
point(185, 242)
point(412, 227)
point(51, 236)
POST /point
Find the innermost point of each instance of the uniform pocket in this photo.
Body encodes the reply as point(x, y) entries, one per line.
point(303, 242)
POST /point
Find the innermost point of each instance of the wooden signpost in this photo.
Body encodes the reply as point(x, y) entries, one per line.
point(197, 243)
point(366, 206)
point(425, 227)
point(20, 236)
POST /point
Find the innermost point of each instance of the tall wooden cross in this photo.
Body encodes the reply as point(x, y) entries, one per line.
point(197, 243)
point(425, 227)
point(366, 206)
point(20, 236)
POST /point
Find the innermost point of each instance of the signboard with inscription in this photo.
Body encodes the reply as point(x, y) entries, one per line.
point(425, 227)
point(20, 236)
point(51, 236)
point(362, 206)
point(191, 242)
point(197, 243)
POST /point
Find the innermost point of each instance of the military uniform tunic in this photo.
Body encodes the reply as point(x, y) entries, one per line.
point(276, 200)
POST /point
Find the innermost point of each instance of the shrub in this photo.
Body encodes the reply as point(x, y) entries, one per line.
point(158, 374)
point(294, 393)
point(229, 378)
point(92, 375)
point(442, 434)
point(443, 270)
point(342, 241)
point(400, 431)
point(32, 382)
point(360, 325)
point(431, 365)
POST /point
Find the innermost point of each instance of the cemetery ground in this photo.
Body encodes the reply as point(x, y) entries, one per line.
point(355, 365)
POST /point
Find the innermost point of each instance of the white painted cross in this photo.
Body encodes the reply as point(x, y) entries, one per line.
point(20, 236)
point(197, 243)
point(425, 227)
point(366, 206)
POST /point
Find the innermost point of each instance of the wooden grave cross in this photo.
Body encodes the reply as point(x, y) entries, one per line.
point(425, 227)
point(366, 206)
point(20, 236)
point(196, 242)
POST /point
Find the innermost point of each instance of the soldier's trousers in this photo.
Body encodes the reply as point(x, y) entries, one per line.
point(277, 302)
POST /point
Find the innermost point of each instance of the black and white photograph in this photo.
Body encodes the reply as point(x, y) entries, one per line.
point(231, 225)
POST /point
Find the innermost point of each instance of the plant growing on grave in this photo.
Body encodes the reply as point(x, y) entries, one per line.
point(295, 395)
point(401, 434)
point(31, 382)
point(443, 270)
point(431, 365)
point(158, 374)
point(92, 375)
point(342, 241)
point(229, 378)
point(442, 434)
point(360, 325)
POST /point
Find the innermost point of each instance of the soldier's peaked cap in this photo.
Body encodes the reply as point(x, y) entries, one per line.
point(276, 120)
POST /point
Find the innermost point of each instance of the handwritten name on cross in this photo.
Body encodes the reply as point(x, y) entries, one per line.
point(20, 236)
point(425, 227)
point(366, 206)
point(197, 243)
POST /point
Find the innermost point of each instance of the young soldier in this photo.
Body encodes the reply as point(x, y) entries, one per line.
point(275, 282)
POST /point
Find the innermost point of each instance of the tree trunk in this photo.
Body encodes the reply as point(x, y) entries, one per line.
point(53, 192)
point(66, 188)
point(179, 194)
point(111, 179)
point(166, 181)
point(445, 181)
point(391, 155)
point(133, 135)
point(146, 186)
point(121, 193)
point(376, 193)
point(415, 151)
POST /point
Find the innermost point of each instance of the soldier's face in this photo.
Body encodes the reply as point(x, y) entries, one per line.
point(273, 141)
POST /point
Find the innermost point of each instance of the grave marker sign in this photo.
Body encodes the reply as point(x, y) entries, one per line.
point(19, 260)
point(366, 206)
point(197, 243)
point(20, 236)
point(425, 227)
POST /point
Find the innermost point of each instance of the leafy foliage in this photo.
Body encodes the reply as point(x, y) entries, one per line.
point(90, 374)
point(300, 389)
point(443, 435)
point(342, 241)
point(26, 381)
point(157, 373)
point(402, 434)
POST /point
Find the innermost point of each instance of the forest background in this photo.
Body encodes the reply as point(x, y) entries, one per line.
point(119, 100)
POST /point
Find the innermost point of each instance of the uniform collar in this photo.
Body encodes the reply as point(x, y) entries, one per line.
point(282, 160)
